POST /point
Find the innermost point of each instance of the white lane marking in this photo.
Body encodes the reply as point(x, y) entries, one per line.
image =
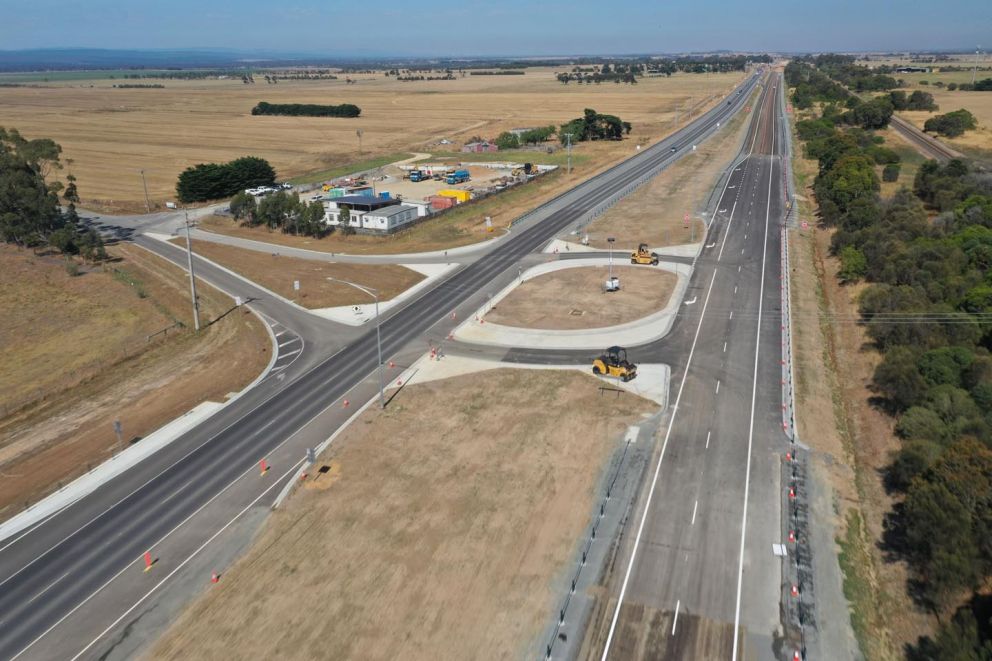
point(731, 314)
point(735, 289)
point(754, 396)
point(718, 386)
point(182, 564)
point(675, 620)
point(742, 251)
point(50, 586)
point(290, 353)
point(694, 508)
point(288, 342)
point(664, 447)
point(738, 269)
point(708, 439)
point(280, 333)
point(654, 480)
point(745, 236)
point(724, 347)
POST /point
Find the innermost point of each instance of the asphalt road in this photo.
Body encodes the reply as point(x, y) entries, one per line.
point(76, 579)
point(696, 571)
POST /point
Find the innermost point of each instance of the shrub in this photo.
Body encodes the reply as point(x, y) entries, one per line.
point(306, 109)
point(951, 124)
point(212, 181)
point(891, 172)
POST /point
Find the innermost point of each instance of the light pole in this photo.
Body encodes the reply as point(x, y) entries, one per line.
point(144, 184)
point(359, 133)
point(610, 241)
point(568, 150)
point(975, 70)
point(378, 338)
point(192, 278)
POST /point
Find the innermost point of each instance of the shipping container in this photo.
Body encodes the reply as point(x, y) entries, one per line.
point(460, 195)
point(441, 202)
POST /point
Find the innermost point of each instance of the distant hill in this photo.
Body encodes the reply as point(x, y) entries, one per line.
point(69, 59)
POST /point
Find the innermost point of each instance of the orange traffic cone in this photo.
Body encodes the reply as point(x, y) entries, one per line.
point(214, 578)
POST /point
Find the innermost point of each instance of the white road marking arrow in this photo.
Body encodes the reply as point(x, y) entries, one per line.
point(710, 245)
point(691, 302)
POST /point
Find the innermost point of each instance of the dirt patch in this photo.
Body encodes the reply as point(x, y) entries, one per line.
point(655, 213)
point(852, 441)
point(574, 298)
point(277, 273)
point(89, 333)
point(454, 511)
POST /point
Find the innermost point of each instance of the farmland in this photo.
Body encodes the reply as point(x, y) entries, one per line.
point(111, 134)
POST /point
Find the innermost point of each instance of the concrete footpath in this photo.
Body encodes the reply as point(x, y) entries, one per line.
point(641, 331)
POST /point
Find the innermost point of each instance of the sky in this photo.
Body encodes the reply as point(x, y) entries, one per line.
point(498, 27)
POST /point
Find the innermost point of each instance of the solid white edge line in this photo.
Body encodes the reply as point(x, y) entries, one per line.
point(675, 620)
point(188, 559)
point(754, 395)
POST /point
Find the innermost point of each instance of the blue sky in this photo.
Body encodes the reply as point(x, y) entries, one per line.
point(497, 27)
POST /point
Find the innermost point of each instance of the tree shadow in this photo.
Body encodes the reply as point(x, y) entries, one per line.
point(895, 547)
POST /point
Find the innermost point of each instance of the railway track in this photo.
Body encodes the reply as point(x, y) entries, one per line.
point(929, 147)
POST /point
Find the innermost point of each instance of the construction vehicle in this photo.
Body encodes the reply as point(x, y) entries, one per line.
point(644, 256)
point(614, 363)
point(457, 177)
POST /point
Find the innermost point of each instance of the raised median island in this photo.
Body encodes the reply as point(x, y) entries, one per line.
point(574, 298)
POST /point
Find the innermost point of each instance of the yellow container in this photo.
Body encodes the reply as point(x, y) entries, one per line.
point(460, 195)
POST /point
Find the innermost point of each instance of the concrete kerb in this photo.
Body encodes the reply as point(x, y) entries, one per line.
point(358, 315)
point(131, 456)
point(640, 331)
point(341, 314)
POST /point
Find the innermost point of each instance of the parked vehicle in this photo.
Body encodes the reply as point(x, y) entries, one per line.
point(419, 175)
point(458, 177)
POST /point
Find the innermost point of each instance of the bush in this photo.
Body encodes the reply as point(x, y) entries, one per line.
point(306, 109)
point(507, 140)
point(891, 172)
point(71, 268)
point(212, 181)
point(952, 124)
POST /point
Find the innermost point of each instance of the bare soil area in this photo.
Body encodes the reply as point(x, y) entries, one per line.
point(655, 213)
point(574, 298)
point(277, 273)
point(112, 133)
point(78, 357)
point(852, 441)
point(440, 536)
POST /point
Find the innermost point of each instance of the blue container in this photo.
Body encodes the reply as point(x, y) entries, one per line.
point(384, 194)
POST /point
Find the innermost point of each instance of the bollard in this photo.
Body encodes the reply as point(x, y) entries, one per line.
point(346, 403)
point(214, 578)
point(148, 560)
point(263, 468)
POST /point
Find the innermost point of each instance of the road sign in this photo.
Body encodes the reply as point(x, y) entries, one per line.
point(296, 285)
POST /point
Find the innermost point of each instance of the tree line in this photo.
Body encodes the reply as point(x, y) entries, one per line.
point(306, 109)
point(594, 126)
point(926, 255)
point(510, 140)
point(31, 215)
point(283, 211)
point(214, 181)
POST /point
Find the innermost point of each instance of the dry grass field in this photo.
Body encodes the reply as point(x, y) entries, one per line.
point(277, 272)
point(654, 214)
point(110, 134)
point(574, 298)
point(440, 531)
point(77, 357)
point(977, 143)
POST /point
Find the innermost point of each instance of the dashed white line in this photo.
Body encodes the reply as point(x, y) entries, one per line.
point(50, 586)
point(731, 314)
point(718, 386)
point(724, 347)
point(675, 620)
point(708, 439)
point(694, 508)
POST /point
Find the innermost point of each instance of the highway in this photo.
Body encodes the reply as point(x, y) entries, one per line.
point(75, 582)
point(696, 575)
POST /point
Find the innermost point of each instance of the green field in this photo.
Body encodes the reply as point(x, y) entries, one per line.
point(913, 79)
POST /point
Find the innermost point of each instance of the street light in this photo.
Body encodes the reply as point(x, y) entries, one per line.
point(192, 278)
point(610, 241)
point(378, 338)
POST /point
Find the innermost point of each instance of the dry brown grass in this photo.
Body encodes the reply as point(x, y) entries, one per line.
point(111, 134)
point(977, 143)
point(654, 214)
point(574, 298)
point(451, 515)
point(68, 338)
point(277, 272)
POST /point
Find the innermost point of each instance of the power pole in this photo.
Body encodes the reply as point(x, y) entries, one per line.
point(144, 184)
point(975, 70)
point(359, 133)
point(192, 278)
point(568, 149)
